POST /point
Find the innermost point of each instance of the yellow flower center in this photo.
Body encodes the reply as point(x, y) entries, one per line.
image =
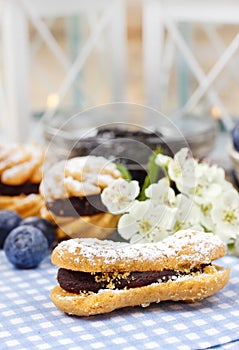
point(177, 169)
point(198, 190)
point(205, 208)
point(229, 216)
point(178, 225)
point(144, 226)
point(121, 199)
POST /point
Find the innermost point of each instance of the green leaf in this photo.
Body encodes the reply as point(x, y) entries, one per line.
point(153, 172)
point(124, 171)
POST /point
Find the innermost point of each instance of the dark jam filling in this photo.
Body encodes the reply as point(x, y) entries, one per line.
point(82, 282)
point(26, 188)
point(75, 206)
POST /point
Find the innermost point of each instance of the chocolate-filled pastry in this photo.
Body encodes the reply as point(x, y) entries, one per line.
point(72, 192)
point(20, 177)
point(99, 276)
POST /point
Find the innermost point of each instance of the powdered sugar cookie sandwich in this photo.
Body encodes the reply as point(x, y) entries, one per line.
point(72, 192)
point(97, 277)
point(20, 177)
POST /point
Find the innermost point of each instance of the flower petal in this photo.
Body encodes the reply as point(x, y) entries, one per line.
point(231, 199)
point(127, 226)
point(163, 160)
point(140, 209)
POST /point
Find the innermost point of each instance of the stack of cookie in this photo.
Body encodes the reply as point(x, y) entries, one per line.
point(72, 193)
point(20, 177)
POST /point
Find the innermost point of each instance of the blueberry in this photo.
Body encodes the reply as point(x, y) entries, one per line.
point(235, 136)
point(44, 225)
point(25, 247)
point(8, 221)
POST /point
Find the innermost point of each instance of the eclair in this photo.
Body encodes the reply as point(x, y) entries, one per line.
point(72, 193)
point(20, 177)
point(97, 277)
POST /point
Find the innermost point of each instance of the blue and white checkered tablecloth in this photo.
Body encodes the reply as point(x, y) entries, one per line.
point(29, 320)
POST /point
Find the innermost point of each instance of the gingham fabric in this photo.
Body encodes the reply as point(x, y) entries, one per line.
point(29, 320)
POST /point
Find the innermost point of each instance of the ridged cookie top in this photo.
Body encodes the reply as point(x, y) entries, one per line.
point(20, 163)
point(184, 250)
point(79, 177)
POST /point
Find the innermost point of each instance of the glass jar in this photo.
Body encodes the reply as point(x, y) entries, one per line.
point(127, 133)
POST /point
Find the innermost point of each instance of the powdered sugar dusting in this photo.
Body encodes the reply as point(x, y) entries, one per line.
point(183, 245)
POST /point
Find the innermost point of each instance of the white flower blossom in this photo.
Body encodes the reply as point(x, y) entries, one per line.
point(210, 183)
point(182, 170)
point(161, 192)
point(225, 215)
point(206, 215)
point(120, 195)
point(146, 222)
point(192, 194)
point(187, 214)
